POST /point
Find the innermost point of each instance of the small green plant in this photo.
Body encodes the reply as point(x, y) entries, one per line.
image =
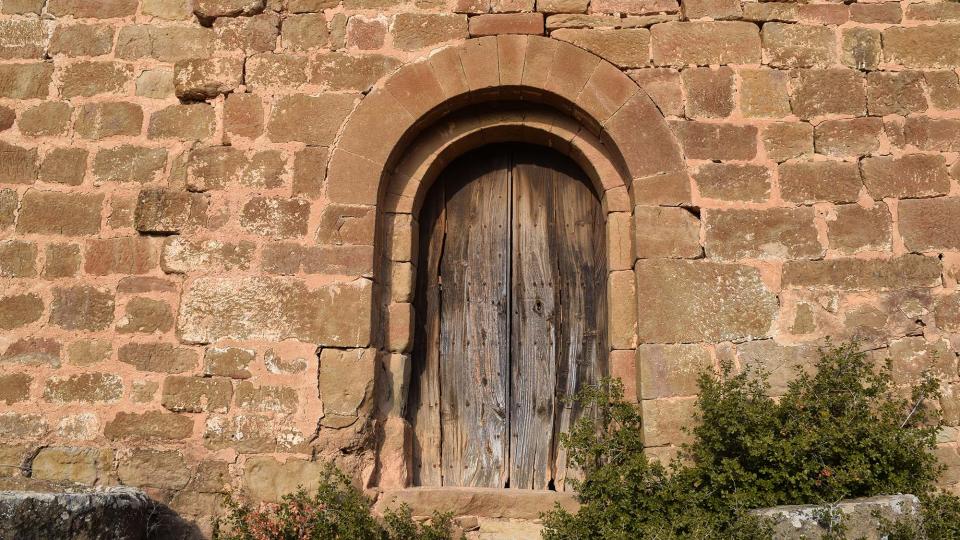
point(336, 511)
point(845, 431)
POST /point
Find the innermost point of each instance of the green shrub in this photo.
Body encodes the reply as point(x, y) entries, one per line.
point(846, 431)
point(336, 511)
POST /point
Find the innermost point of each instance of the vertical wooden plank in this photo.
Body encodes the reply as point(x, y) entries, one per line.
point(423, 410)
point(533, 339)
point(578, 240)
point(474, 328)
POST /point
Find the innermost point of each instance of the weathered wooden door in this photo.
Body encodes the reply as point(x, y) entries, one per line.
point(511, 317)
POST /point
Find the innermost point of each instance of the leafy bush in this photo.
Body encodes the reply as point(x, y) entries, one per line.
point(337, 510)
point(846, 431)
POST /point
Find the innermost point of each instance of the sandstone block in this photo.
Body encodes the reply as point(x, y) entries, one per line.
point(33, 351)
point(165, 469)
point(7, 118)
point(124, 255)
point(622, 306)
point(798, 45)
point(779, 233)
point(150, 425)
point(709, 92)
point(22, 38)
point(305, 32)
point(94, 78)
point(342, 224)
point(26, 81)
point(848, 138)
point(702, 140)
point(506, 23)
point(664, 88)
point(366, 34)
point(339, 260)
point(276, 217)
point(714, 9)
point(165, 211)
point(243, 115)
point(856, 229)
point(944, 89)
point(819, 92)
point(227, 8)
point(688, 301)
point(205, 78)
point(183, 256)
point(22, 7)
point(667, 232)
point(911, 356)
point(229, 362)
point(88, 352)
point(947, 313)
point(412, 31)
point(911, 175)
point(81, 307)
point(86, 387)
point(930, 224)
point(45, 120)
point(129, 163)
point(730, 182)
point(266, 479)
point(904, 272)
point(9, 201)
point(69, 464)
point(81, 9)
point(861, 48)
point(171, 10)
point(196, 394)
point(887, 12)
point(185, 122)
point(216, 167)
point(895, 93)
point(339, 71)
point(764, 93)
point(346, 382)
point(671, 370)
point(266, 399)
point(927, 46)
point(15, 388)
point(145, 316)
point(787, 140)
point(936, 134)
point(158, 357)
point(806, 182)
point(102, 120)
point(275, 309)
point(19, 310)
point(18, 165)
point(665, 421)
point(250, 34)
point(705, 43)
point(782, 363)
point(313, 120)
point(155, 83)
point(275, 69)
point(64, 166)
point(18, 259)
point(625, 48)
point(22, 426)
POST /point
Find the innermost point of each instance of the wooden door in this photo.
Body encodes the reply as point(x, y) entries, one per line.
point(511, 316)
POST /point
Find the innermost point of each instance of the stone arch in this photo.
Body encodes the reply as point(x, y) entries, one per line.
point(493, 89)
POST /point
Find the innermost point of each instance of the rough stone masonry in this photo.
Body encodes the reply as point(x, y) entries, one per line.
point(190, 304)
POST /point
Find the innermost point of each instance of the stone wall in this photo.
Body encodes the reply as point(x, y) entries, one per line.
point(204, 281)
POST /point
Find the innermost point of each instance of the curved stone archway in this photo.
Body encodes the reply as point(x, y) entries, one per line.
point(494, 89)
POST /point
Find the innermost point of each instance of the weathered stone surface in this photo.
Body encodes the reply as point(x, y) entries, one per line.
point(492, 24)
point(275, 69)
point(266, 399)
point(366, 34)
point(183, 256)
point(46, 119)
point(18, 259)
point(780, 233)
point(93, 78)
point(705, 43)
point(807, 182)
point(930, 224)
point(69, 214)
point(709, 92)
point(922, 46)
point(701, 301)
point(204, 78)
point(67, 464)
point(165, 211)
point(520, 504)
point(154, 468)
point(346, 382)
point(25, 81)
point(232, 362)
point(150, 425)
point(412, 31)
point(798, 45)
point(196, 394)
point(764, 93)
point(731, 182)
point(243, 115)
point(19, 310)
point(64, 166)
point(33, 351)
point(666, 232)
point(305, 32)
point(342, 224)
point(155, 83)
point(818, 92)
point(102, 120)
point(910, 357)
point(895, 93)
point(86, 387)
point(313, 120)
point(275, 309)
point(158, 357)
point(625, 48)
point(88, 352)
point(936, 134)
point(859, 516)
point(911, 175)
point(855, 228)
point(19, 165)
point(250, 34)
point(663, 86)
point(276, 217)
point(124, 255)
point(145, 316)
point(861, 48)
point(671, 370)
point(81, 307)
point(106, 9)
point(713, 141)
point(22, 38)
point(667, 421)
point(14, 388)
point(186, 122)
point(227, 8)
point(848, 138)
point(171, 10)
point(129, 163)
point(267, 479)
point(907, 271)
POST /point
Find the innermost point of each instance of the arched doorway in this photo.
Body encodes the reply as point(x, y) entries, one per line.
point(511, 317)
